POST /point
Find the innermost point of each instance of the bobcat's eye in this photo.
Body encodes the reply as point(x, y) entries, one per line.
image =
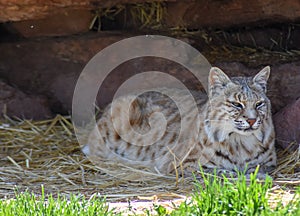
point(237, 105)
point(259, 104)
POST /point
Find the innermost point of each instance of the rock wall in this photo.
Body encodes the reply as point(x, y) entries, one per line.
point(18, 10)
point(187, 13)
point(230, 13)
point(51, 67)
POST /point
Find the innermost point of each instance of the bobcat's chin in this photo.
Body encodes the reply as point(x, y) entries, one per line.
point(246, 131)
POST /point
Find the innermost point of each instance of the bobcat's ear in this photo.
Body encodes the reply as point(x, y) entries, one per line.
point(217, 80)
point(262, 77)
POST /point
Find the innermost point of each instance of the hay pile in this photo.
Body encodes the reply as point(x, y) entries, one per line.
point(35, 153)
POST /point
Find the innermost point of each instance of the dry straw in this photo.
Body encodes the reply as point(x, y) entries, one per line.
point(147, 15)
point(35, 153)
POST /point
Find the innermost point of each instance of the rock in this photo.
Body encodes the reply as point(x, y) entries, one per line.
point(214, 14)
point(18, 10)
point(276, 37)
point(62, 90)
point(51, 66)
point(125, 71)
point(61, 23)
point(287, 126)
point(15, 103)
point(189, 14)
point(45, 65)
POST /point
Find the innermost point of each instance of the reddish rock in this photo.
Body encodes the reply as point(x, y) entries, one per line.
point(65, 22)
point(274, 37)
point(44, 66)
point(202, 13)
point(62, 90)
point(17, 10)
point(15, 103)
point(287, 126)
point(51, 67)
point(123, 72)
point(191, 14)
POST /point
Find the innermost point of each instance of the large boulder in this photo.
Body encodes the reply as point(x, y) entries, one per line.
point(287, 125)
point(15, 103)
point(17, 10)
point(51, 67)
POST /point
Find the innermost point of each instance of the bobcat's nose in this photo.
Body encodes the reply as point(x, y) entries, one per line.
point(251, 121)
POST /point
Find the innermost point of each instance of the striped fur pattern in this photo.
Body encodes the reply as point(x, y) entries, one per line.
point(231, 129)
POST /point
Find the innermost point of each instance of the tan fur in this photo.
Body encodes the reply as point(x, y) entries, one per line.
point(164, 133)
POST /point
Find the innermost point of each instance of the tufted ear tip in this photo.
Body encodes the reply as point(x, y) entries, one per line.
point(217, 80)
point(215, 70)
point(268, 68)
point(217, 76)
point(261, 78)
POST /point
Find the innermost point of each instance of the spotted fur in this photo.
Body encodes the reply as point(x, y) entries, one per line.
point(231, 129)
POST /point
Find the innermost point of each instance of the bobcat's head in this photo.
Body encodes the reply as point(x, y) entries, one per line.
point(238, 104)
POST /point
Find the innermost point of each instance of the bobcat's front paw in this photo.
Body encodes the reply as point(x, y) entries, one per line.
point(262, 172)
point(259, 175)
point(221, 172)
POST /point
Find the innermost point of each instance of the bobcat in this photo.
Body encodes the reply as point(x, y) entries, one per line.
point(229, 129)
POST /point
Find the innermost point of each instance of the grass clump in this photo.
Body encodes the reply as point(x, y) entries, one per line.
point(29, 204)
point(243, 196)
point(232, 197)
